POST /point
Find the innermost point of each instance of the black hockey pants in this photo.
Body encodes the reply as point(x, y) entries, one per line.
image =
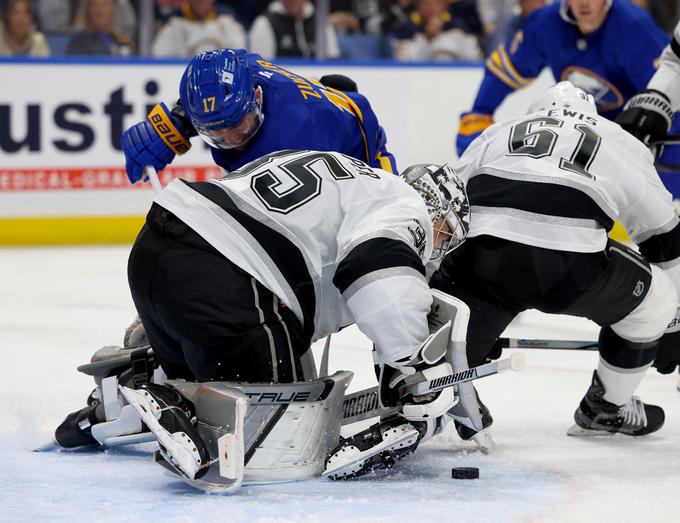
point(205, 318)
point(498, 279)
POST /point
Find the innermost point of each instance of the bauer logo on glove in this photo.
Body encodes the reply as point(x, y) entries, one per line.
point(167, 131)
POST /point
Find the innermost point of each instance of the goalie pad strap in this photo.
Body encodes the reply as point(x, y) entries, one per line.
point(140, 370)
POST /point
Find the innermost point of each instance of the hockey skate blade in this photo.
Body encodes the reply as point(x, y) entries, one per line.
point(350, 459)
point(484, 441)
point(48, 447)
point(578, 431)
point(177, 447)
point(130, 439)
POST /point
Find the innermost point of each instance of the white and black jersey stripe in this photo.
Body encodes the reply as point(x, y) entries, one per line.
point(559, 179)
point(337, 241)
point(373, 259)
point(284, 254)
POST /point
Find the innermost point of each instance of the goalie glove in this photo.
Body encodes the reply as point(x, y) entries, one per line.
point(156, 140)
point(647, 116)
point(399, 380)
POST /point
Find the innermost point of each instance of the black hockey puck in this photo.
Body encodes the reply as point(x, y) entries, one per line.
point(464, 472)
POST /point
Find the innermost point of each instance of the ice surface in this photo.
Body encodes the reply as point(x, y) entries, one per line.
point(58, 305)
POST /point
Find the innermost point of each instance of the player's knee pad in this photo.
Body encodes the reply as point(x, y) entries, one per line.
point(648, 321)
point(619, 353)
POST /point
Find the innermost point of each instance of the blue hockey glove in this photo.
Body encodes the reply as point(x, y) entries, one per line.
point(471, 126)
point(156, 140)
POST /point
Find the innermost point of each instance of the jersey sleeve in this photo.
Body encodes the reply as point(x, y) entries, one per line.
point(647, 42)
point(667, 77)
point(650, 218)
point(511, 66)
point(473, 156)
point(383, 245)
point(376, 139)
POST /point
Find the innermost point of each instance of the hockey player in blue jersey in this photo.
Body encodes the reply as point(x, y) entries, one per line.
point(608, 48)
point(245, 107)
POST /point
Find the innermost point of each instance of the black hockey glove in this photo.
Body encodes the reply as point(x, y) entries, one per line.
point(647, 116)
point(340, 82)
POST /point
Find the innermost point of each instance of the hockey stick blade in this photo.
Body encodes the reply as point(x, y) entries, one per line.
point(518, 343)
point(363, 404)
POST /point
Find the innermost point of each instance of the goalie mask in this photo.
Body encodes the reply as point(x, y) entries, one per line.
point(446, 200)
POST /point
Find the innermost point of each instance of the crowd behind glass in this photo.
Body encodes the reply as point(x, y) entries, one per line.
point(408, 30)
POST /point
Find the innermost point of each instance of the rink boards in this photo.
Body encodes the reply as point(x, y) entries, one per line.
point(62, 175)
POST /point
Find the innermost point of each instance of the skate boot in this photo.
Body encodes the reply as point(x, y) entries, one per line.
point(379, 446)
point(598, 417)
point(171, 419)
point(107, 420)
point(76, 429)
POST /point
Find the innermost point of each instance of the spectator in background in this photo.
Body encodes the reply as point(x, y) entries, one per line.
point(18, 35)
point(510, 26)
point(355, 16)
point(287, 29)
point(124, 18)
point(435, 32)
point(98, 35)
point(56, 16)
point(662, 13)
point(394, 14)
point(198, 26)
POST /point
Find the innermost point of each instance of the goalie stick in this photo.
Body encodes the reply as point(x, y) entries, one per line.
point(670, 139)
point(519, 343)
point(363, 404)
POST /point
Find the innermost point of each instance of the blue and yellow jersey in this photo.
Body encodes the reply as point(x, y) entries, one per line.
point(301, 113)
point(613, 63)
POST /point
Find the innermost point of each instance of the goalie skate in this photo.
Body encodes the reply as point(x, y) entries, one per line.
point(166, 414)
point(377, 447)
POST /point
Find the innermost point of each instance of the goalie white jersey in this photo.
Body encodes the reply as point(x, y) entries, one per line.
point(559, 179)
point(337, 241)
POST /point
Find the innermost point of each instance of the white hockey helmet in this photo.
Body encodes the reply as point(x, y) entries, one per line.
point(567, 95)
point(445, 197)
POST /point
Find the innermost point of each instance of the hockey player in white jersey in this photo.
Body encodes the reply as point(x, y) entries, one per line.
point(235, 278)
point(544, 190)
point(649, 114)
